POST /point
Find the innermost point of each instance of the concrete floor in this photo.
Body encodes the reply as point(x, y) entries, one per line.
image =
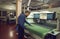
point(7, 31)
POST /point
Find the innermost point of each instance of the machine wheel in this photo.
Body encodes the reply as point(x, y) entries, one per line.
point(50, 36)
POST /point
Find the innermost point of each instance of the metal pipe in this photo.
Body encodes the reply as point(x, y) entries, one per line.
point(28, 4)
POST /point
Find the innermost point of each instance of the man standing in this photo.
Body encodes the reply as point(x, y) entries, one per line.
point(21, 21)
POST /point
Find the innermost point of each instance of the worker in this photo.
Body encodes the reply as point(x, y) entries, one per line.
point(21, 21)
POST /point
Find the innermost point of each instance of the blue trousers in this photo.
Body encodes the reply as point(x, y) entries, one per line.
point(20, 32)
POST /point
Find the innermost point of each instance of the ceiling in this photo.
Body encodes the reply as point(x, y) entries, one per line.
point(42, 4)
point(34, 3)
point(8, 4)
point(7, 1)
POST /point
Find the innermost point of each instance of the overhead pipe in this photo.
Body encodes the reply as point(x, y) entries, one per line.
point(28, 4)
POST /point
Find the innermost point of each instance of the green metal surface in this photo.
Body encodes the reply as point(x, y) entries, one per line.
point(37, 29)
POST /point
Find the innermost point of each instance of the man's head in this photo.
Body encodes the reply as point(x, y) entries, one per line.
point(27, 13)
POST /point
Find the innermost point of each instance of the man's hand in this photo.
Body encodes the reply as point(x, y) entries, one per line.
point(30, 25)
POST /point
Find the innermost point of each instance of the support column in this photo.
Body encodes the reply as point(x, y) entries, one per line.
point(18, 9)
point(58, 21)
point(24, 8)
point(58, 25)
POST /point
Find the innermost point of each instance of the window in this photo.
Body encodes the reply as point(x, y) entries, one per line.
point(50, 16)
point(36, 15)
point(0, 13)
point(4, 13)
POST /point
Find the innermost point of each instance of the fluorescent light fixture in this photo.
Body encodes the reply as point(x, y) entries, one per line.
point(10, 7)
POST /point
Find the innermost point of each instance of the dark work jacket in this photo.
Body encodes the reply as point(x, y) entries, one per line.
point(22, 20)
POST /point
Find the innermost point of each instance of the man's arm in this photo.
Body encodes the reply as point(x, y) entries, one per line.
point(27, 23)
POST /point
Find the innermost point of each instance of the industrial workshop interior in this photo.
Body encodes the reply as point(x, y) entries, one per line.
point(44, 17)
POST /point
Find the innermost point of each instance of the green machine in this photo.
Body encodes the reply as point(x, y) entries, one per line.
point(44, 32)
point(36, 29)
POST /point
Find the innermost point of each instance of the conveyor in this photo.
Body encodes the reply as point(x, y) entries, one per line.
point(40, 31)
